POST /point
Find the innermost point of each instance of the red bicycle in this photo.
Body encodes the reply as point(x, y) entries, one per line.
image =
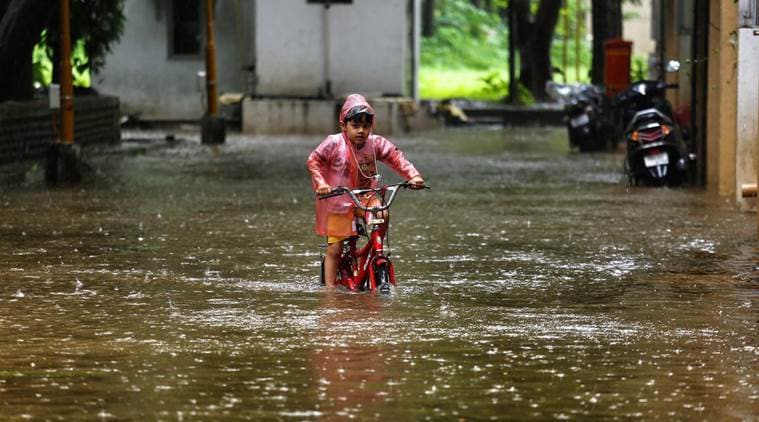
point(368, 267)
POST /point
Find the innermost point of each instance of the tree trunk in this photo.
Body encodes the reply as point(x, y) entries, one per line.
point(534, 41)
point(522, 36)
point(20, 28)
point(428, 18)
point(546, 19)
point(615, 18)
point(607, 25)
point(512, 24)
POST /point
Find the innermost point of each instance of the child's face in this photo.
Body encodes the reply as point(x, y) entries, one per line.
point(357, 130)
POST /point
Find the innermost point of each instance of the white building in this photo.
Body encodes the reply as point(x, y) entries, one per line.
point(638, 28)
point(302, 49)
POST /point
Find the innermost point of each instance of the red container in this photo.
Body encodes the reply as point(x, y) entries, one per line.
point(617, 54)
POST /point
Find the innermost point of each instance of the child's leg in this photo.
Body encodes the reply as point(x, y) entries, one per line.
point(336, 223)
point(331, 260)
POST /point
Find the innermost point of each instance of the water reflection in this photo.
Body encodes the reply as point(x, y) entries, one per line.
point(356, 372)
point(533, 284)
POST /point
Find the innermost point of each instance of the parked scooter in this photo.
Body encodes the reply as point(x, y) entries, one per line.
point(584, 114)
point(657, 154)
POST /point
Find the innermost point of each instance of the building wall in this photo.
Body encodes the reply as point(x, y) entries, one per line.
point(156, 86)
point(672, 51)
point(365, 49)
point(368, 51)
point(747, 118)
point(730, 156)
point(637, 28)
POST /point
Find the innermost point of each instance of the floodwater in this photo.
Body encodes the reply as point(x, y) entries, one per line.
point(180, 282)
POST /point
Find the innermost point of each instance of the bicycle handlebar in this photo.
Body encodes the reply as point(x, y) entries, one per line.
point(353, 194)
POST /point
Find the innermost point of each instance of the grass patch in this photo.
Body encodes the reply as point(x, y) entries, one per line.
point(439, 84)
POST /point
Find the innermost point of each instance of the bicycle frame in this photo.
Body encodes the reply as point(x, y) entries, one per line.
point(358, 267)
point(367, 267)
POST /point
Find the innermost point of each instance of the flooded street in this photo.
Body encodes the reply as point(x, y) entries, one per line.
point(181, 283)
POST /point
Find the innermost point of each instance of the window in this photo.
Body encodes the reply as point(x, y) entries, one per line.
point(749, 13)
point(185, 28)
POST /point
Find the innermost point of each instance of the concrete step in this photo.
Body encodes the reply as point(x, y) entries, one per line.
point(551, 114)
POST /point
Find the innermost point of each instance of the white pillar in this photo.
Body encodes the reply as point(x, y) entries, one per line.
point(747, 118)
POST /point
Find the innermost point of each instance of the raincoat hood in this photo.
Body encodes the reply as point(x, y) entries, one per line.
point(354, 100)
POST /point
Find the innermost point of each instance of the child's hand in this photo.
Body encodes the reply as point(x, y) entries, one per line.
point(323, 189)
point(416, 182)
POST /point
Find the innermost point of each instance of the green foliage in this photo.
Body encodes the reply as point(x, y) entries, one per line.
point(468, 54)
point(497, 86)
point(465, 37)
point(440, 83)
point(496, 82)
point(571, 30)
point(101, 23)
point(483, 85)
point(639, 68)
point(43, 66)
point(95, 26)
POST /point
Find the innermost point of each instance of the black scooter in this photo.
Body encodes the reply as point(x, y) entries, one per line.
point(657, 154)
point(584, 114)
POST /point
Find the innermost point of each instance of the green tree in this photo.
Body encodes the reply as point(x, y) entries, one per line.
point(464, 37)
point(97, 24)
point(534, 37)
point(473, 37)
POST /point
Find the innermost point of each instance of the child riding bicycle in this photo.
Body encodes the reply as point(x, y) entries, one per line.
point(349, 159)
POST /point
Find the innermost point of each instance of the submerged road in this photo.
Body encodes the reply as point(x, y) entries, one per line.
point(181, 283)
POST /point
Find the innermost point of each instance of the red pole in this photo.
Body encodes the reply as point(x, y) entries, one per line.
point(213, 107)
point(213, 126)
point(67, 87)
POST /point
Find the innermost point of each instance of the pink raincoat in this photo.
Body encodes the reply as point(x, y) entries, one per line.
point(336, 162)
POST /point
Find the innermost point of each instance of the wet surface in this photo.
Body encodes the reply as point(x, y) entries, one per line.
point(181, 283)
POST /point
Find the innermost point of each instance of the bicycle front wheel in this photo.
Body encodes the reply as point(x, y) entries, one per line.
point(382, 277)
point(321, 274)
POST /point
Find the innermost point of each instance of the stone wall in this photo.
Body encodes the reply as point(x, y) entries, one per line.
point(28, 128)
